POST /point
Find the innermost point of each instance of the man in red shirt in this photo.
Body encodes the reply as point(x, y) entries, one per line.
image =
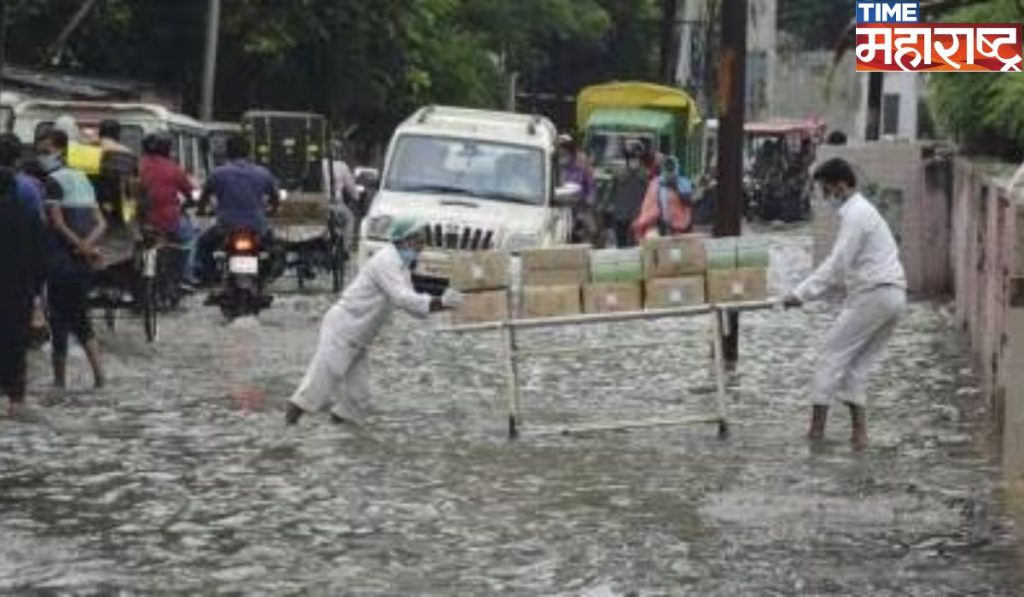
point(164, 185)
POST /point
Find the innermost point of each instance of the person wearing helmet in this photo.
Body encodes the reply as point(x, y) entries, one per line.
point(165, 186)
point(338, 376)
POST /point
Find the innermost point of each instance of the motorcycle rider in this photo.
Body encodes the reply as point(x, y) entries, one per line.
point(164, 184)
point(245, 194)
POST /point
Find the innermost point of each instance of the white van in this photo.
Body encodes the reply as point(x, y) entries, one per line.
point(137, 120)
point(480, 181)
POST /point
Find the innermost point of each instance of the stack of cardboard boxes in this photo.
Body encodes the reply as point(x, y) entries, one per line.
point(553, 279)
point(666, 273)
point(674, 268)
point(616, 281)
point(737, 269)
point(484, 278)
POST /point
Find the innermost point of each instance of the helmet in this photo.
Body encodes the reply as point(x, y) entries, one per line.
point(157, 144)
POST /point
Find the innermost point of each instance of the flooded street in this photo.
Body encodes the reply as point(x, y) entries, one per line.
point(180, 477)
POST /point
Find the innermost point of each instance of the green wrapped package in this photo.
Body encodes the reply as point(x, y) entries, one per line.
point(721, 253)
point(610, 266)
point(753, 252)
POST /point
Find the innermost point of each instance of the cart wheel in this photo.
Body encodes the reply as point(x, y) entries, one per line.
point(150, 310)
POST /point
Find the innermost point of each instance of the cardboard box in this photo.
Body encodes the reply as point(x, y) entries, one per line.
point(568, 265)
point(674, 256)
point(739, 285)
point(550, 301)
point(752, 252)
point(673, 293)
point(556, 277)
point(480, 270)
point(721, 253)
point(482, 307)
point(609, 266)
point(620, 297)
point(565, 257)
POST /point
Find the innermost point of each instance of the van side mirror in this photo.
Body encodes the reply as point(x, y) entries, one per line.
point(568, 195)
point(367, 177)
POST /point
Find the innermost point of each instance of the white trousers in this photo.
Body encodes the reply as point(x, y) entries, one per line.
point(338, 375)
point(854, 344)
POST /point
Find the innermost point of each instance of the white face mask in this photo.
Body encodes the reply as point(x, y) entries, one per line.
point(834, 198)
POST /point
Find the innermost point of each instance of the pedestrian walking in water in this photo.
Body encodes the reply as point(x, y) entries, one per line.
point(628, 192)
point(77, 225)
point(22, 271)
point(865, 262)
point(668, 204)
point(575, 167)
point(339, 375)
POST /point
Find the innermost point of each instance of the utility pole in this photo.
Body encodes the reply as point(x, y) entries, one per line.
point(513, 92)
point(669, 40)
point(4, 11)
point(731, 112)
point(210, 63)
point(873, 129)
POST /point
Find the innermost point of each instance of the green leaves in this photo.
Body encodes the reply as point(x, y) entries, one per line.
point(981, 109)
point(358, 61)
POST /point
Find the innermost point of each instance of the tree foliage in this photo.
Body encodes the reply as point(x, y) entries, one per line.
point(815, 24)
point(981, 110)
point(358, 61)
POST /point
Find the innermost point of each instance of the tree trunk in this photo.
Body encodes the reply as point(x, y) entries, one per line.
point(669, 40)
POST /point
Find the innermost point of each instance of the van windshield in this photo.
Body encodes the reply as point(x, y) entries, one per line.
point(473, 168)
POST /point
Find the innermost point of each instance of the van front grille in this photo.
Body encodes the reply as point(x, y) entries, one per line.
point(456, 237)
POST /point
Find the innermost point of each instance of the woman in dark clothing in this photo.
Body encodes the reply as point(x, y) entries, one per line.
point(22, 271)
point(628, 196)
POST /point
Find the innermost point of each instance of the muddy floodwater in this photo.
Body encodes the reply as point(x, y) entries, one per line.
point(181, 478)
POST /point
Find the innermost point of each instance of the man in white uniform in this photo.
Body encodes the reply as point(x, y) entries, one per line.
point(865, 262)
point(339, 374)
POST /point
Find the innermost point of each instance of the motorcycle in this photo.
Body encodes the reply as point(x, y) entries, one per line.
point(243, 265)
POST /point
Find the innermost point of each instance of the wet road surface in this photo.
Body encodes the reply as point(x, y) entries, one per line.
point(180, 477)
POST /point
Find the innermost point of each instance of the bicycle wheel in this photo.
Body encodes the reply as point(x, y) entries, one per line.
point(150, 309)
point(339, 257)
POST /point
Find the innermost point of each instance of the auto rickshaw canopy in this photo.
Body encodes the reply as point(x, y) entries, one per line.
point(638, 96)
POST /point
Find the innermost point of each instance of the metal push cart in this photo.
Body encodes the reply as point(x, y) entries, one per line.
point(512, 354)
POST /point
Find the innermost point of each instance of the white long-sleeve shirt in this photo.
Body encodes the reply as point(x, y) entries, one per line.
point(865, 255)
point(344, 180)
point(382, 284)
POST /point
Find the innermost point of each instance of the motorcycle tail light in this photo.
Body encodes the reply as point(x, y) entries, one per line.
point(243, 244)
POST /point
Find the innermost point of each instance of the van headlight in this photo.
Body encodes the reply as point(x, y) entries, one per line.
point(522, 240)
point(378, 227)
